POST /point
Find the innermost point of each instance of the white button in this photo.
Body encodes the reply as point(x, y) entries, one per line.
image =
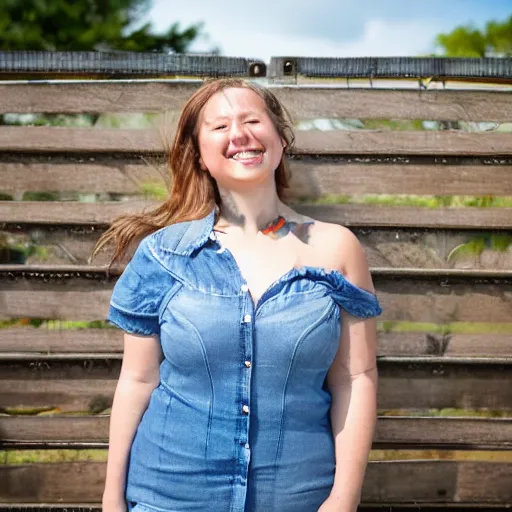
point(244, 288)
point(245, 409)
point(247, 318)
point(247, 364)
point(246, 446)
point(213, 236)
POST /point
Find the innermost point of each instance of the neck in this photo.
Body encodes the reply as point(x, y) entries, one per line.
point(251, 211)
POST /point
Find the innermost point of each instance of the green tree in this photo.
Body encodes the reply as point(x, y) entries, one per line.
point(467, 41)
point(84, 25)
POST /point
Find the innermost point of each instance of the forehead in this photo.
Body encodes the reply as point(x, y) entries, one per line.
point(232, 101)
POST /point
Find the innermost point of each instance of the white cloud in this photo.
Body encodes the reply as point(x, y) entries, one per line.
point(379, 38)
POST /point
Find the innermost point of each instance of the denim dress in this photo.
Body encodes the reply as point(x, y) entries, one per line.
point(240, 418)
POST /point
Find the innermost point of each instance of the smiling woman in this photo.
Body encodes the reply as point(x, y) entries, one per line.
point(248, 380)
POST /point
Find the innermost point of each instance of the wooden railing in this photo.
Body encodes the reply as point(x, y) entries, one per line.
point(443, 274)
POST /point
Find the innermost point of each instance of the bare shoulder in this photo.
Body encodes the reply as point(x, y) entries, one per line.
point(342, 251)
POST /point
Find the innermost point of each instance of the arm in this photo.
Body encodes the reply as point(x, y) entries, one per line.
point(139, 377)
point(352, 381)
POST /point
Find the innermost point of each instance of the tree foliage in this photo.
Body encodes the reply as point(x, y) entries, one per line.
point(84, 25)
point(467, 41)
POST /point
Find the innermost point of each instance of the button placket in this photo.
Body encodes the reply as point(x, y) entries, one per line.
point(247, 336)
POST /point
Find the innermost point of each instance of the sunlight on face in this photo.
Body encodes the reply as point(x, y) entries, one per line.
point(238, 142)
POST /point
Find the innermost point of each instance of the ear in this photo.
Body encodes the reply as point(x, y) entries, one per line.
point(201, 165)
point(284, 144)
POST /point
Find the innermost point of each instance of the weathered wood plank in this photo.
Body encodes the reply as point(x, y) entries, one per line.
point(320, 102)
point(394, 481)
point(314, 178)
point(88, 385)
point(302, 102)
point(30, 340)
point(392, 432)
point(120, 178)
point(385, 247)
point(437, 297)
point(364, 142)
point(78, 98)
point(350, 215)
point(311, 178)
point(454, 345)
point(35, 342)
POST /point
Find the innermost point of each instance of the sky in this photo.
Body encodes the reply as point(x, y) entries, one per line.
point(324, 28)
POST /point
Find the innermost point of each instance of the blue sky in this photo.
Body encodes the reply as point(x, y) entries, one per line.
point(324, 28)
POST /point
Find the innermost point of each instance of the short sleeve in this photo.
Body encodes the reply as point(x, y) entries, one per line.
point(354, 300)
point(138, 293)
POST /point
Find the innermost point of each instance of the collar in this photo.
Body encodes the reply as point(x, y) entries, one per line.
point(186, 237)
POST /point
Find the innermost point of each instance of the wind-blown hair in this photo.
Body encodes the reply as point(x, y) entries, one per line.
point(193, 192)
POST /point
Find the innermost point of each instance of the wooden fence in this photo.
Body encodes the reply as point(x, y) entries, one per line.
point(443, 273)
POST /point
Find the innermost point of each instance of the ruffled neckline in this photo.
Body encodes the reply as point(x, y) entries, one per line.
point(355, 300)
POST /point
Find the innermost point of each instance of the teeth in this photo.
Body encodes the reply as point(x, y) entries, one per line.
point(246, 154)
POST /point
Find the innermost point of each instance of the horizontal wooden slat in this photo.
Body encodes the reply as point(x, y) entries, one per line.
point(350, 215)
point(365, 142)
point(314, 178)
point(455, 345)
point(320, 102)
point(393, 481)
point(355, 215)
point(30, 340)
point(84, 177)
point(311, 178)
point(302, 102)
point(437, 297)
point(392, 432)
point(384, 247)
point(88, 385)
point(95, 97)
point(34, 342)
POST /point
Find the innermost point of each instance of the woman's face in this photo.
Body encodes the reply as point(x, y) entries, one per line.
point(238, 142)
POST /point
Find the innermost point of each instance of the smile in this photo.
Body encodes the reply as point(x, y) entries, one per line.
point(247, 155)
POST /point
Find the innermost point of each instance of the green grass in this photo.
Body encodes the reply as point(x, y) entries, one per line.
point(453, 328)
point(420, 201)
point(48, 456)
point(469, 455)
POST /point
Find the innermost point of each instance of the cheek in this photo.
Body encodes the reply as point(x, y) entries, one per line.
point(209, 151)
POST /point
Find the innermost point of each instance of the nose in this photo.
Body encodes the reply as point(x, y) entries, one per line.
point(238, 133)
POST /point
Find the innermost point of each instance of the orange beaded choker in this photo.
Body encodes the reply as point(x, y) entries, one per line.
point(274, 226)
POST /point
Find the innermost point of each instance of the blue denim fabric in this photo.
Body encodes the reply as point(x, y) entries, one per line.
point(240, 419)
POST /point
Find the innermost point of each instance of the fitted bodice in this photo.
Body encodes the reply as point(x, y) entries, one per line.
point(240, 419)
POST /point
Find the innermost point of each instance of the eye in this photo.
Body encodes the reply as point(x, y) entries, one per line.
point(220, 127)
point(253, 121)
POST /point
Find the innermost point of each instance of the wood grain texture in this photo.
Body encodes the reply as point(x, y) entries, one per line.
point(302, 102)
point(88, 385)
point(86, 177)
point(386, 482)
point(364, 142)
point(320, 102)
point(312, 178)
point(384, 247)
point(315, 178)
point(96, 97)
point(429, 297)
point(30, 340)
point(54, 342)
point(392, 432)
point(453, 345)
point(350, 215)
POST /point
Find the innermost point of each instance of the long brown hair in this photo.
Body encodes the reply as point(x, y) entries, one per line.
point(193, 193)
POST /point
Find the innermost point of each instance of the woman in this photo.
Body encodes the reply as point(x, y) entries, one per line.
point(248, 380)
